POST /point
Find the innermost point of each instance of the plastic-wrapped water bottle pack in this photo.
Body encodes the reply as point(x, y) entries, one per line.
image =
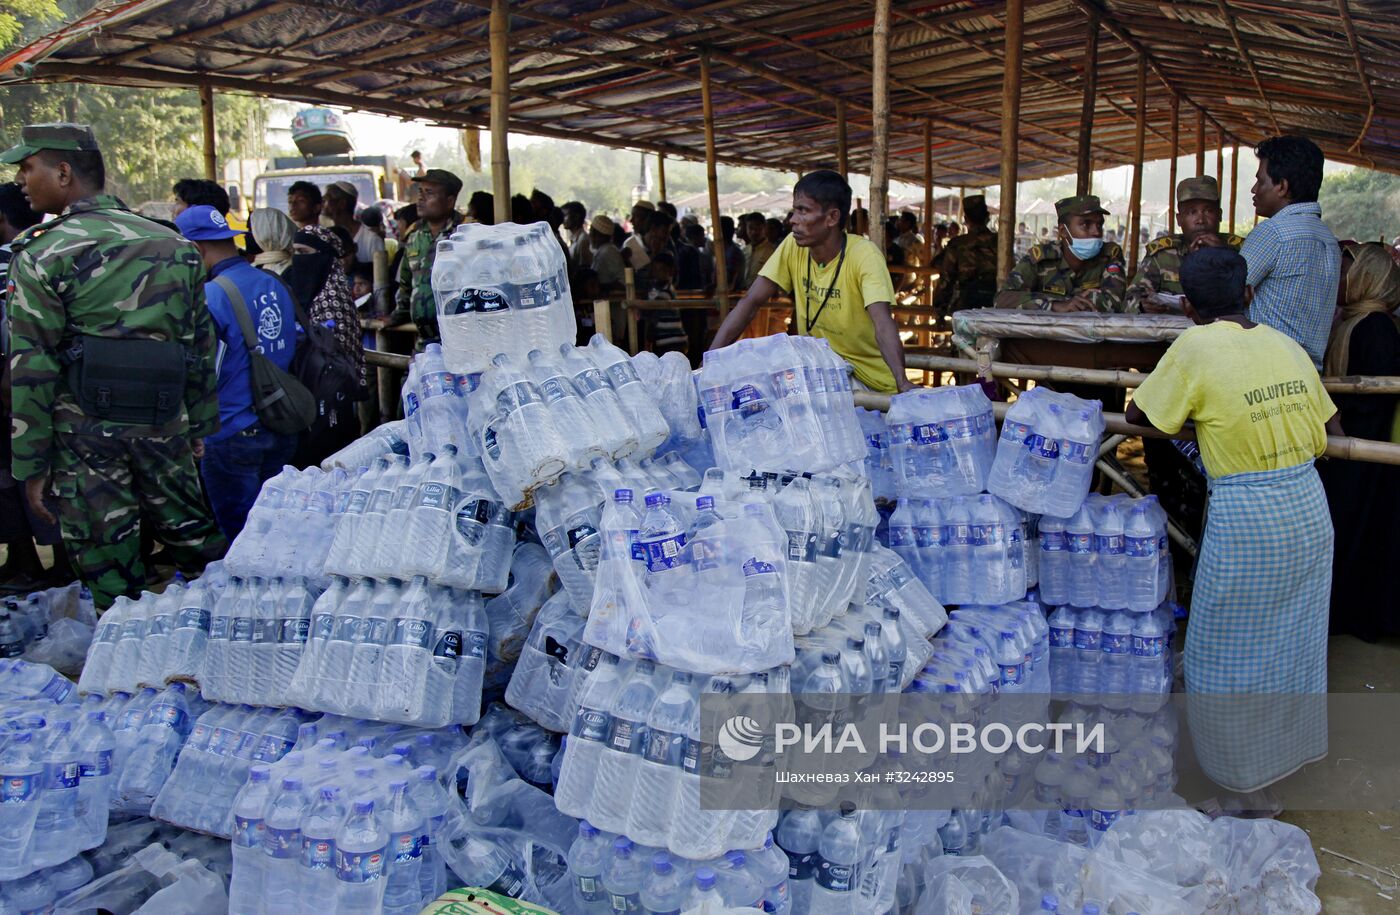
point(779, 402)
point(634, 758)
point(1046, 453)
point(291, 524)
point(552, 659)
point(1112, 553)
point(941, 440)
point(53, 627)
point(879, 460)
point(966, 549)
point(1114, 652)
point(501, 289)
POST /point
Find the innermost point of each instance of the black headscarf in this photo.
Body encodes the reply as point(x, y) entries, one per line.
point(309, 270)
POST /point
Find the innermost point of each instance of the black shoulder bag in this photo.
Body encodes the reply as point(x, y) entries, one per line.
point(283, 403)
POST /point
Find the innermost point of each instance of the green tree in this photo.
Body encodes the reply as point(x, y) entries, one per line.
point(1361, 204)
point(16, 16)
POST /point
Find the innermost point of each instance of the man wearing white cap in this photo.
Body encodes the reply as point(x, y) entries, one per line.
point(607, 259)
point(341, 200)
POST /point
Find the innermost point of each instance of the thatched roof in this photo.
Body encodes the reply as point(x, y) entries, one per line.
point(625, 72)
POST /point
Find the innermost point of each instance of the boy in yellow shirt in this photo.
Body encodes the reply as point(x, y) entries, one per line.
point(839, 282)
point(1258, 624)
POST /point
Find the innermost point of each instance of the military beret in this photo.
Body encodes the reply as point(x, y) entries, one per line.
point(1202, 187)
point(1080, 205)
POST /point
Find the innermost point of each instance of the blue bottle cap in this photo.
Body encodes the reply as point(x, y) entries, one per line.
point(705, 878)
point(622, 495)
point(658, 498)
point(705, 503)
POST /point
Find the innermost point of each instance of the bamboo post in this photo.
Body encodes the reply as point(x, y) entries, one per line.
point(1135, 198)
point(206, 118)
point(500, 108)
point(1200, 142)
point(1220, 161)
point(928, 193)
point(1234, 182)
point(712, 181)
point(602, 318)
point(843, 163)
point(1176, 153)
point(629, 288)
point(880, 115)
point(1010, 116)
point(1084, 177)
point(661, 176)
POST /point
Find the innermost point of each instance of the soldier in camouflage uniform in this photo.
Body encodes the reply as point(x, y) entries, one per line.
point(1079, 272)
point(100, 271)
point(1157, 287)
point(967, 267)
point(437, 216)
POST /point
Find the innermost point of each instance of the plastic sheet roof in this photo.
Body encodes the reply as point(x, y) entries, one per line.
point(625, 72)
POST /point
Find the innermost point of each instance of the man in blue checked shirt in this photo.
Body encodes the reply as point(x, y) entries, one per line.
point(1294, 260)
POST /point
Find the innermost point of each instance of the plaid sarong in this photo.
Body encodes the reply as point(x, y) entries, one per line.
point(1256, 643)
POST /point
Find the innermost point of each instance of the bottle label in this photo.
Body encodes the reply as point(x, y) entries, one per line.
point(321, 626)
point(1140, 547)
point(801, 546)
point(1080, 544)
point(590, 889)
point(791, 382)
point(272, 748)
point(591, 657)
point(748, 401)
point(1012, 674)
point(1052, 541)
point(158, 625)
point(379, 502)
point(927, 434)
point(1088, 639)
point(591, 724)
point(801, 865)
point(357, 502)
point(625, 736)
point(222, 742)
point(628, 904)
point(437, 384)
point(622, 373)
point(266, 631)
point(1102, 819)
point(967, 426)
point(471, 518)
point(474, 644)
point(133, 629)
point(1151, 646)
point(1045, 448)
point(108, 632)
point(404, 847)
point(1061, 637)
point(707, 553)
point(714, 401)
point(283, 844)
point(412, 632)
point(410, 404)
point(553, 389)
point(58, 776)
point(1014, 432)
point(665, 748)
point(511, 882)
point(831, 546)
point(590, 381)
point(100, 766)
point(449, 645)
point(1079, 452)
point(896, 676)
point(17, 789)
point(359, 867)
point(167, 715)
point(242, 629)
point(835, 878)
point(218, 627)
point(247, 832)
point(317, 854)
point(901, 537)
point(927, 537)
point(1116, 643)
point(403, 498)
point(294, 631)
point(435, 495)
point(193, 618)
point(372, 630)
point(1109, 545)
point(667, 553)
point(11, 649)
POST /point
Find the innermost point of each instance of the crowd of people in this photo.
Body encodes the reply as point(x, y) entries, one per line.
point(105, 462)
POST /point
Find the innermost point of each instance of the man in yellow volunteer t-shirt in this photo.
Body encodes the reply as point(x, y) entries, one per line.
point(840, 284)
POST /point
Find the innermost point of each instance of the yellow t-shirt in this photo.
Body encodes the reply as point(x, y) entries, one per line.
point(843, 323)
point(1256, 399)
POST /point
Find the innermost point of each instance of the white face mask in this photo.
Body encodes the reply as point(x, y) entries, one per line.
point(1082, 248)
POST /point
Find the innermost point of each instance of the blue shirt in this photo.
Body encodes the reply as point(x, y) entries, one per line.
point(1294, 265)
point(274, 320)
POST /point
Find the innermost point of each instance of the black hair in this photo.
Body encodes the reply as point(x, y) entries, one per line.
point(372, 217)
point(521, 212)
point(540, 197)
point(15, 208)
point(416, 154)
point(306, 189)
point(668, 208)
point(693, 230)
point(195, 192)
point(776, 230)
point(829, 190)
point(555, 217)
point(362, 271)
point(86, 164)
point(911, 218)
point(409, 214)
point(1213, 280)
point(1296, 160)
point(482, 205)
point(726, 225)
point(573, 206)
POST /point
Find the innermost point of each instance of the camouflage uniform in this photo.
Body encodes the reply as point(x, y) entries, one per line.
point(414, 300)
point(1160, 270)
point(1043, 277)
point(967, 272)
point(100, 270)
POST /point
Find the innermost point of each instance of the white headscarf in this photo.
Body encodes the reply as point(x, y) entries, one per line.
point(273, 230)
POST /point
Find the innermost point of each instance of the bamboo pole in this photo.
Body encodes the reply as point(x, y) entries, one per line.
point(928, 192)
point(1200, 142)
point(880, 142)
point(1220, 161)
point(206, 119)
point(1176, 153)
point(500, 107)
point(661, 176)
point(1135, 198)
point(602, 319)
point(1234, 182)
point(712, 182)
point(1010, 116)
point(843, 162)
point(1084, 178)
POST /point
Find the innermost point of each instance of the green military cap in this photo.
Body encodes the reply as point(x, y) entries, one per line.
point(441, 177)
point(974, 205)
point(36, 137)
point(1202, 187)
point(1079, 205)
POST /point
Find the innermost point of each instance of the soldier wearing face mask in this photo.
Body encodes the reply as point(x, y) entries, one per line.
point(1078, 271)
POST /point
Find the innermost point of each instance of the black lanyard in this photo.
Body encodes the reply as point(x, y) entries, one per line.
point(812, 321)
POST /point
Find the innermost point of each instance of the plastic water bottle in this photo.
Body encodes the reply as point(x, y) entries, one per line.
point(622, 376)
point(588, 738)
point(838, 856)
point(651, 809)
point(360, 860)
point(929, 545)
point(622, 877)
point(705, 898)
point(96, 747)
point(1075, 792)
point(315, 881)
point(1054, 561)
point(662, 538)
point(402, 892)
point(1109, 556)
point(1083, 570)
point(770, 866)
point(246, 888)
point(432, 800)
point(578, 427)
point(896, 649)
point(1107, 805)
point(619, 436)
point(587, 857)
point(1117, 645)
point(1049, 778)
point(739, 885)
point(1149, 652)
point(665, 887)
point(282, 845)
point(1041, 457)
point(617, 768)
point(958, 584)
point(901, 536)
point(57, 831)
point(488, 865)
point(21, 784)
point(1140, 560)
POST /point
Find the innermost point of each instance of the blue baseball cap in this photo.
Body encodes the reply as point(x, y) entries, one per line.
point(204, 223)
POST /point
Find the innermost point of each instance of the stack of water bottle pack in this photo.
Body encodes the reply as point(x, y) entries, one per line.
point(778, 403)
point(973, 549)
point(53, 627)
point(332, 826)
point(879, 462)
point(1112, 553)
point(845, 859)
point(1046, 453)
point(561, 409)
point(291, 524)
point(500, 289)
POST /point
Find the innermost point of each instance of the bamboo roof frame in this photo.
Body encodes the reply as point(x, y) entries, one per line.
point(789, 76)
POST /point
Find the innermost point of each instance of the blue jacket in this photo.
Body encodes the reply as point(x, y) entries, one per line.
point(271, 307)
